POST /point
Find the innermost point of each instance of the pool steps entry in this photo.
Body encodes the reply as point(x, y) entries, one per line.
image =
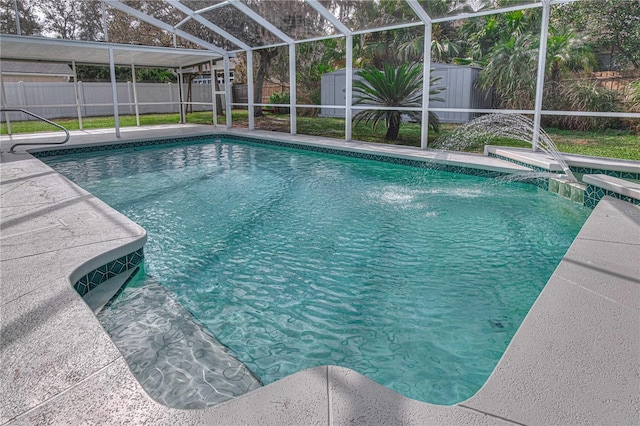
point(216, 375)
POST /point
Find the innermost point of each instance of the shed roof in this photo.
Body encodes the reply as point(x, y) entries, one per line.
point(36, 68)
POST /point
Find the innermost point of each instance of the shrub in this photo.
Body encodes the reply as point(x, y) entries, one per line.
point(632, 104)
point(279, 98)
point(580, 95)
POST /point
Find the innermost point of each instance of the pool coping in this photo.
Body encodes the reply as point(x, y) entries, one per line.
point(573, 360)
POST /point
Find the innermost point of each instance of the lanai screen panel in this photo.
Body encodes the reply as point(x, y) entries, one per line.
point(360, 15)
point(293, 17)
point(202, 32)
point(437, 9)
point(123, 28)
point(236, 23)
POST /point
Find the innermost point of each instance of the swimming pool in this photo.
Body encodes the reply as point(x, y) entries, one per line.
point(415, 278)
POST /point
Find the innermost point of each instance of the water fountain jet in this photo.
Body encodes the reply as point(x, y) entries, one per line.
point(515, 126)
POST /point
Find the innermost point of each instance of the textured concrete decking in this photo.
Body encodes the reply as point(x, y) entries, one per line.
point(574, 360)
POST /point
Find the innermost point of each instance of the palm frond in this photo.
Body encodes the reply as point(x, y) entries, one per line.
point(389, 88)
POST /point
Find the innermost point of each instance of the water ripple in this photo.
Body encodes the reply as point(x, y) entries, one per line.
point(416, 278)
point(177, 362)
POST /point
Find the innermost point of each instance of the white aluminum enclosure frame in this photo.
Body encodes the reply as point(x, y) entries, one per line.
point(341, 30)
point(96, 53)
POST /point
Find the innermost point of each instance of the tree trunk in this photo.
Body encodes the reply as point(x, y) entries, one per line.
point(393, 128)
point(190, 93)
point(265, 56)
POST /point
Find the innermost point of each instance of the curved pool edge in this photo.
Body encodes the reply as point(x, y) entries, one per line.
point(554, 371)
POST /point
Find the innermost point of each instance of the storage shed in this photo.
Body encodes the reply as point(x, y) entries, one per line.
point(457, 80)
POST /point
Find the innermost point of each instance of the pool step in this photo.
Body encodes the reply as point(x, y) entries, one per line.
point(176, 360)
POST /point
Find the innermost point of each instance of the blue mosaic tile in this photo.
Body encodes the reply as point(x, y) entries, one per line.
point(613, 173)
point(82, 287)
point(117, 266)
point(97, 148)
point(594, 194)
point(96, 277)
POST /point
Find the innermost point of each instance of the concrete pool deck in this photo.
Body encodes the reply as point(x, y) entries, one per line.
point(574, 360)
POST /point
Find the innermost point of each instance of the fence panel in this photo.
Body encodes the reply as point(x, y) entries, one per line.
point(58, 100)
point(166, 94)
point(241, 93)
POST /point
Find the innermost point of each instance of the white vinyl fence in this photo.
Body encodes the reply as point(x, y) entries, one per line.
point(58, 100)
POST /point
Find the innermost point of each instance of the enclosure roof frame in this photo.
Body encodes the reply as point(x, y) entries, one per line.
point(29, 48)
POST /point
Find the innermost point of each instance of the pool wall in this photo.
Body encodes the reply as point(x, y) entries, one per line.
point(437, 164)
point(108, 271)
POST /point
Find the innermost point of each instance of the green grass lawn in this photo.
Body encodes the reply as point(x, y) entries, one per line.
point(607, 143)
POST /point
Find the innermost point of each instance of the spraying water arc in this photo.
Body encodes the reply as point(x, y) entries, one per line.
point(514, 126)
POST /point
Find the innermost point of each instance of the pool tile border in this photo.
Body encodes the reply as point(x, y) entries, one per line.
point(593, 194)
point(421, 163)
point(105, 272)
point(613, 173)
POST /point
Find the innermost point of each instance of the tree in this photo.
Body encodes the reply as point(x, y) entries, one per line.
point(29, 24)
point(392, 87)
point(510, 71)
point(506, 47)
point(124, 28)
point(72, 19)
point(264, 59)
point(612, 26)
point(568, 54)
point(312, 61)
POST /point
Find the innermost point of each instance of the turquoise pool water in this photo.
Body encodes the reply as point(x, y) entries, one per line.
point(416, 278)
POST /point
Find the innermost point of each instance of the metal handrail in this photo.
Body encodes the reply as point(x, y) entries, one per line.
point(5, 110)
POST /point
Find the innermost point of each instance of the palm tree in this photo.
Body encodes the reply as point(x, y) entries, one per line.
point(392, 87)
point(510, 71)
point(567, 54)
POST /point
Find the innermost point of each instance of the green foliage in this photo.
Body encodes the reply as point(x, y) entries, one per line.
point(510, 72)
point(632, 102)
point(583, 96)
point(632, 96)
point(88, 73)
point(279, 98)
point(510, 65)
point(155, 75)
point(72, 19)
point(393, 87)
point(613, 26)
point(312, 61)
point(568, 54)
